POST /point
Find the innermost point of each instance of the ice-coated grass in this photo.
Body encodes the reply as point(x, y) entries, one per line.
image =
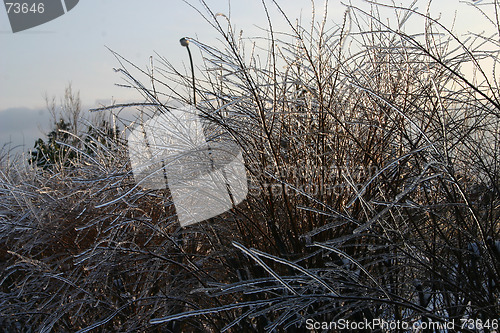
point(372, 158)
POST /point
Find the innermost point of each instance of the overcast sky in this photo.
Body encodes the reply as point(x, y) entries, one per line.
point(72, 48)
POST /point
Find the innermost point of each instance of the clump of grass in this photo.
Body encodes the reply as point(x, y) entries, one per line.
point(373, 168)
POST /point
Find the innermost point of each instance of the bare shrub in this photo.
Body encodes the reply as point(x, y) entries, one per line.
point(373, 167)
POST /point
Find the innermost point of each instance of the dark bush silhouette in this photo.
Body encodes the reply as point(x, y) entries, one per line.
point(373, 170)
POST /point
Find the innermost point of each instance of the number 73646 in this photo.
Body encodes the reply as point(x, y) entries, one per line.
point(478, 324)
point(25, 8)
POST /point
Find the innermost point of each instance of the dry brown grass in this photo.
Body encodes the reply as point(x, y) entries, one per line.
point(373, 172)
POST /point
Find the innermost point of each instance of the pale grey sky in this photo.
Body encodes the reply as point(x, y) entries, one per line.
point(72, 48)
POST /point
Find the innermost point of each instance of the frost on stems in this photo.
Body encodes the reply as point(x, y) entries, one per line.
point(372, 157)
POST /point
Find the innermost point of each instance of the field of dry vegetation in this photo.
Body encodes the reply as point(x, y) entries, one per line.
point(373, 173)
